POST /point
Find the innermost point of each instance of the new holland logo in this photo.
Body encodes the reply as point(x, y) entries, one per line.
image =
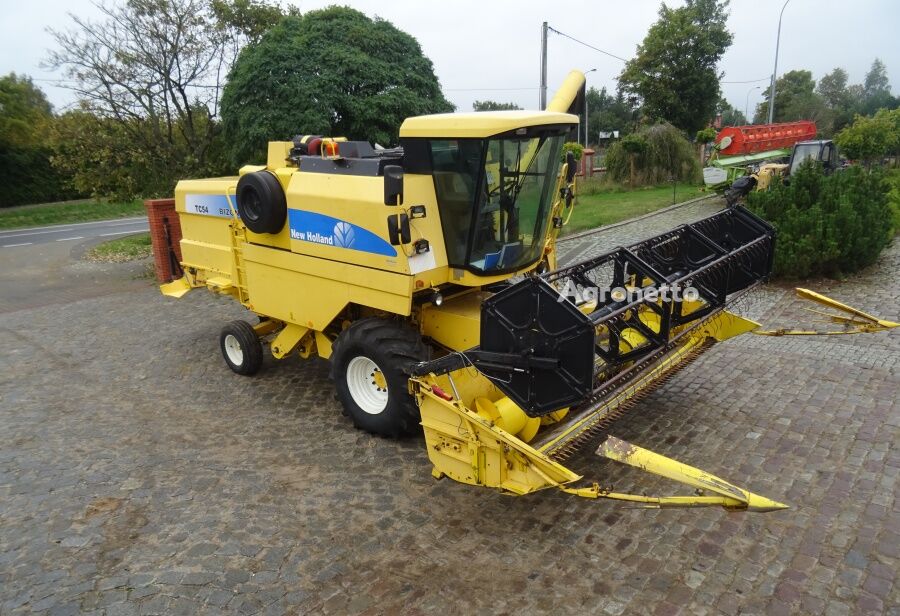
point(343, 235)
point(329, 231)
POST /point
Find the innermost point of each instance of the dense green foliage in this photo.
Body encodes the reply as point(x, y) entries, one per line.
point(675, 69)
point(493, 106)
point(893, 180)
point(574, 147)
point(706, 135)
point(832, 103)
point(329, 72)
point(25, 171)
point(609, 113)
point(829, 225)
point(730, 115)
point(149, 75)
point(659, 153)
point(871, 138)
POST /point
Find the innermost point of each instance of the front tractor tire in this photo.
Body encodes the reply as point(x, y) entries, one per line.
point(370, 364)
point(241, 348)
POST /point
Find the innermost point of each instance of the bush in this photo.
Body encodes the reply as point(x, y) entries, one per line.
point(27, 177)
point(574, 147)
point(893, 179)
point(827, 225)
point(659, 154)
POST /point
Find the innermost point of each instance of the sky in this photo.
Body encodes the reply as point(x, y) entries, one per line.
point(491, 49)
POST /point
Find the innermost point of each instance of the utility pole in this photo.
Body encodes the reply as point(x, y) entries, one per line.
point(543, 100)
point(775, 72)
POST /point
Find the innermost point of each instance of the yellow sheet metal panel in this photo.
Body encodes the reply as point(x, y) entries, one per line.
point(567, 92)
point(312, 292)
point(205, 215)
point(278, 153)
point(479, 124)
point(342, 218)
point(469, 449)
point(456, 322)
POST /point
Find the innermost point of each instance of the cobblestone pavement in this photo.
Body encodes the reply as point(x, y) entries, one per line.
point(138, 475)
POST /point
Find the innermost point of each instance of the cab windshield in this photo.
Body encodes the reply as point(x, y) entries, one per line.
point(495, 197)
point(804, 152)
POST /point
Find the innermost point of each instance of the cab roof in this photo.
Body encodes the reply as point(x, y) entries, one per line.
point(480, 124)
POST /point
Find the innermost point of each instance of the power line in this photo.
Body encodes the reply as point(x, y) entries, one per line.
point(485, 89)
point(611, 55)
point(747, 81)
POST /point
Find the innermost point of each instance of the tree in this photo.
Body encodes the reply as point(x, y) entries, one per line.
point(795, 99)
point(652, 155)
point(493, 106)
point(609, 113)
point(877, 89)
point(833, 89)
point(302, 78)
point(25, 117)
point(871, 138)
point(156, 68)
point(876, 81)
point(731, 116)
point(675, 69)
point(838, 98)
point(24, 112)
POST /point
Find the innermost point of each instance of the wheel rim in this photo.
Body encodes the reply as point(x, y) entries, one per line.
point(233, 350)
point(367, 385)
point(250, 202)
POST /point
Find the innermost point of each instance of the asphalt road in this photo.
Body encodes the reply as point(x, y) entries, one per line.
point(43, 265)
point(16, 238)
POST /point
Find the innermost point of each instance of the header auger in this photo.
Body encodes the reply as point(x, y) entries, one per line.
point(398, 267)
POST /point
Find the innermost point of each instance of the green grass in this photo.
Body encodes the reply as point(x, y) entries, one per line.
point(67, 212)
point(603, 204)
point(123, 249)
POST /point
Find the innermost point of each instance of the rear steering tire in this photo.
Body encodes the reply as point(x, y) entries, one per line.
point(241, 348)
point(370, 365)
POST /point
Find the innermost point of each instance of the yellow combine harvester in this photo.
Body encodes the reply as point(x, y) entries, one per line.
point(427, 275)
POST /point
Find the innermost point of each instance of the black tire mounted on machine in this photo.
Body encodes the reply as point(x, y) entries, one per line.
point(370, 365)
point(241, 348)
point(261, 203)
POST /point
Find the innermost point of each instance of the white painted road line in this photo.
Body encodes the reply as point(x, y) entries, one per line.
point(35, 233)
point(121, 232)
point(66, 239)
point(14, 245)
point(65, 229)
point(77, 224)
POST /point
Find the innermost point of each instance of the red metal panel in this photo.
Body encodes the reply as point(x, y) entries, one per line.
point(764, 137)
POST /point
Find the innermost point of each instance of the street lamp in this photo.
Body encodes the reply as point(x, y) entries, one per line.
point(775, 72)
point(747, 103)
point(586, 107)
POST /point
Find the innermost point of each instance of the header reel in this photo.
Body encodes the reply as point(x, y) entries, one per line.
point(559, 339)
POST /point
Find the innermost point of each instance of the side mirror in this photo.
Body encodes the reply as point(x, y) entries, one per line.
point(393, 185)
point(398, 229)
point(571, 167)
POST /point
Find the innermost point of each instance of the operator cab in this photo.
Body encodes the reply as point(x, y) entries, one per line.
point(822, 151)
point(495, 175)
